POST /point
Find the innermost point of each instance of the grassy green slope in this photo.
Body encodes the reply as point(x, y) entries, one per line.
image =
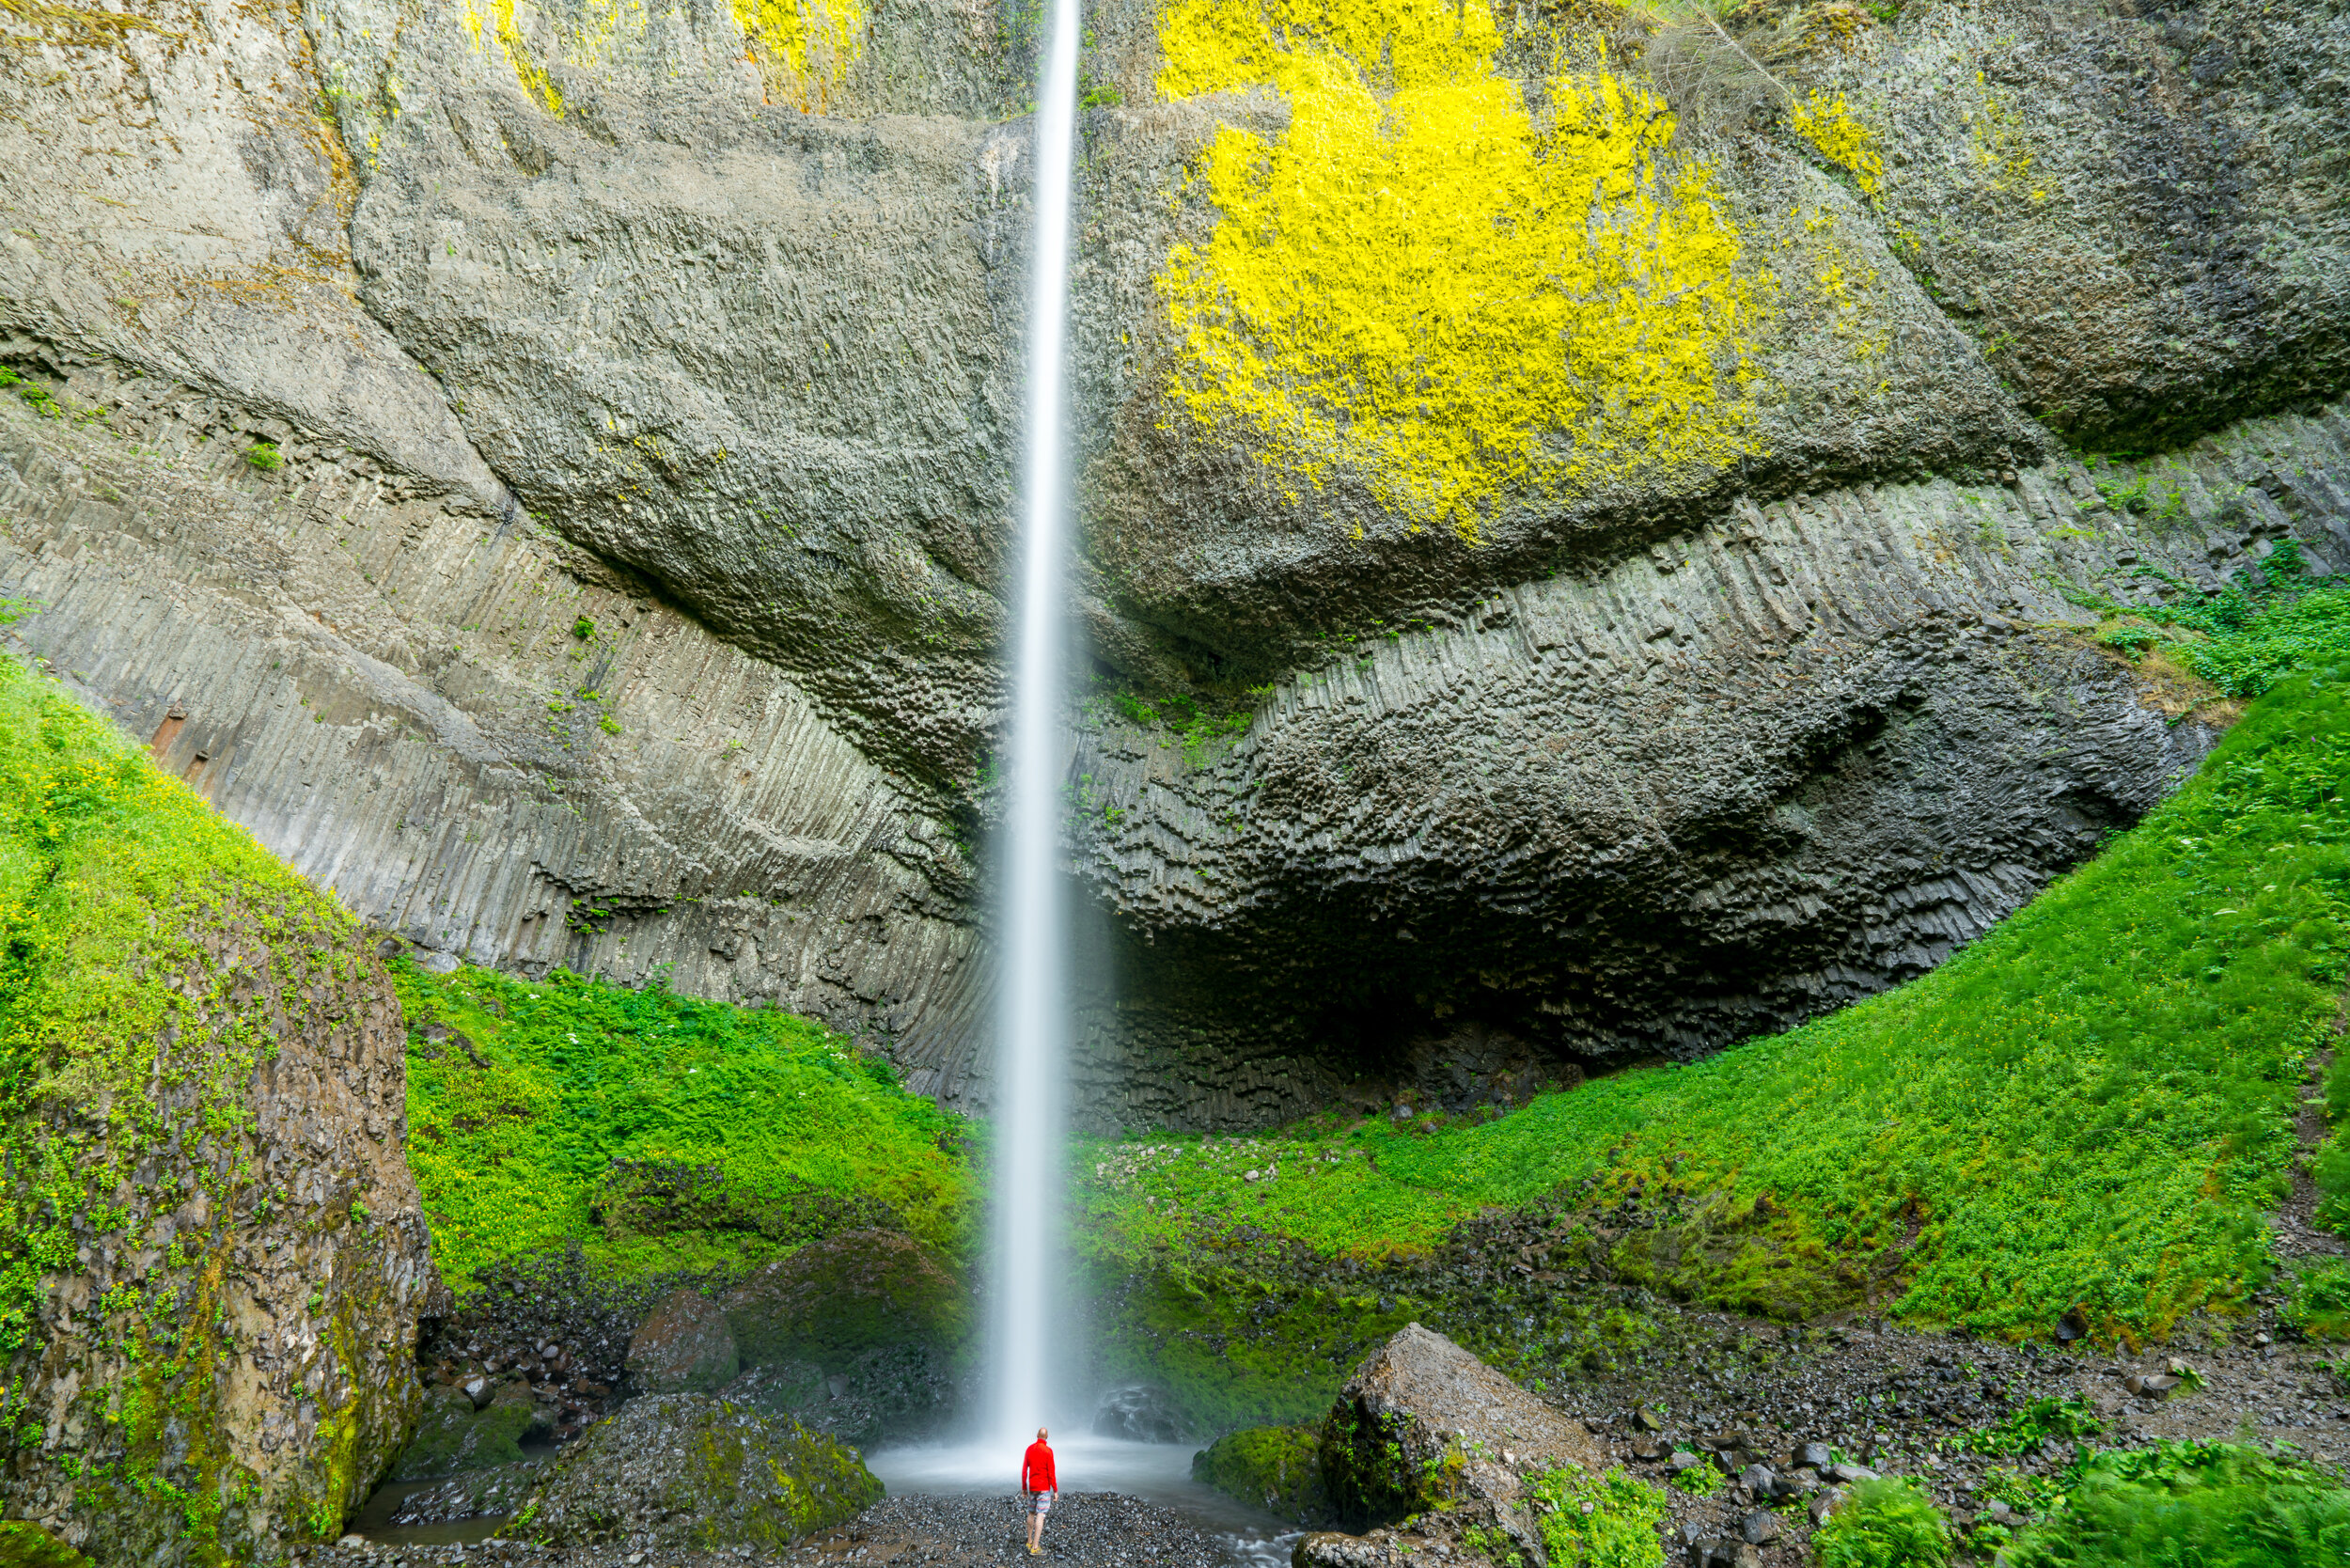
point(2089, 1109)
point(737, 1132)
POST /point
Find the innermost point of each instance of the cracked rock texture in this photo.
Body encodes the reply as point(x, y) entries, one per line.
point(589, 315)
point(226, 1366)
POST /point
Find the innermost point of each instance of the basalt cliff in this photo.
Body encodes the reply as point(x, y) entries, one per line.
point(1592, 519)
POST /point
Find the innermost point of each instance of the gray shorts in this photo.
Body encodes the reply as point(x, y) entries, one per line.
point(1040, 1504)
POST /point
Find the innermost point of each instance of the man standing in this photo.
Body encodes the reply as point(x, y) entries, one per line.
point(1038, 1481)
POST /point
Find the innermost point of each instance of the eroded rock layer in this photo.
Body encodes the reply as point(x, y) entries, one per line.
point(1592, 492)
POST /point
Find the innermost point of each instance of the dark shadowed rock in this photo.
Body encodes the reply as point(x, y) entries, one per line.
point(453, 1435)
point(834, 1299)
point(1140, 1413)
point(683, 1347)
point(690, 1471)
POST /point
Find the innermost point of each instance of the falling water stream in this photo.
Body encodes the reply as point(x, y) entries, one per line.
point(1031, 1029)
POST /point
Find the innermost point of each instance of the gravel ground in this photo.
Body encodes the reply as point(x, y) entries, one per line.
point(1088, 1529)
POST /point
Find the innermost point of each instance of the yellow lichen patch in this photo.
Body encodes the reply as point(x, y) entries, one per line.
point(503, 33)
point(1421, 284)
point(2002, 151)
point(803, 48)
point(1824, 121)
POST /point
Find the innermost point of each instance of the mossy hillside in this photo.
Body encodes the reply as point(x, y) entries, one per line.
point(158, 971)
point(657, 1133)
point(2088, 1111)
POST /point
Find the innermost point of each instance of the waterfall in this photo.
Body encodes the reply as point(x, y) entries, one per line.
point(1030, 1021)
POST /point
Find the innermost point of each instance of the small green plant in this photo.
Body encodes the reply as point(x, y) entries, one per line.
point(264, 456)
point(610, 724)
point(583, 629)
point(2130, 640)
point(2033, 1425)
point(1698, 1480)
point(1101, 95)
point(1886, 1524)
point(2318, 1299)
point(1607, 1521)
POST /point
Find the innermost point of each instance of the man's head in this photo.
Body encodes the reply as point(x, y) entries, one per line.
point(1041, 1434)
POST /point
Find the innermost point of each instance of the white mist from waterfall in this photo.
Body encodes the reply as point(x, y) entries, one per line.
point(1031, 1020)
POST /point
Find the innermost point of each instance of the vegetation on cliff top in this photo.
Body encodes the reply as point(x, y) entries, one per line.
point(2089, 1111)
point(656, 1132)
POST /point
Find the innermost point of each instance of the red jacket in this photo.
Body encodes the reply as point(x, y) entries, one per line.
point(1036, 1469)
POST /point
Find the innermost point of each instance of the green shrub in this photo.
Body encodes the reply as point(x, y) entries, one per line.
point(1886, 1524)
point(2190, 1505)
point(1607, 1521)
point(264, 456)
point(582, 628)
point(2317, 1298)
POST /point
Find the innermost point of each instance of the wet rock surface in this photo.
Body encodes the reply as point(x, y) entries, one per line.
point(685, 1347)
point(680, 1470)
point(483, 1493)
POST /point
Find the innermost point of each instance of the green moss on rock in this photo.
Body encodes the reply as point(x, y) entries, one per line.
point(1277, 1468)
point(209, 1249)
point(453, 1436)
point(692, 1472)
point(23, 1545)
point(834, 1299)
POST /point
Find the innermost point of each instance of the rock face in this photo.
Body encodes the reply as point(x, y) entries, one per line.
point(861, 1335)
point(215, 1252)
point(685, 1347)
point(690, 1472)
point(1683, 697)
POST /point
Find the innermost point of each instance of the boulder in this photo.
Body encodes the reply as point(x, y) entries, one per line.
point(210, 1341)
point(683, 1347)
point(836, 1299)
point(453, 1435)
point(1138, 1413)
point(692, 1472)
point(890, 1393)
point(1424, 1422)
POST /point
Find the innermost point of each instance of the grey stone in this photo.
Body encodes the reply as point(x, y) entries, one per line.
point(684, 1346)
point(1848, 1474)
point(1757, 1479)
point(1760, 1527)
point(1812, 1456)
point(687, 1470)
